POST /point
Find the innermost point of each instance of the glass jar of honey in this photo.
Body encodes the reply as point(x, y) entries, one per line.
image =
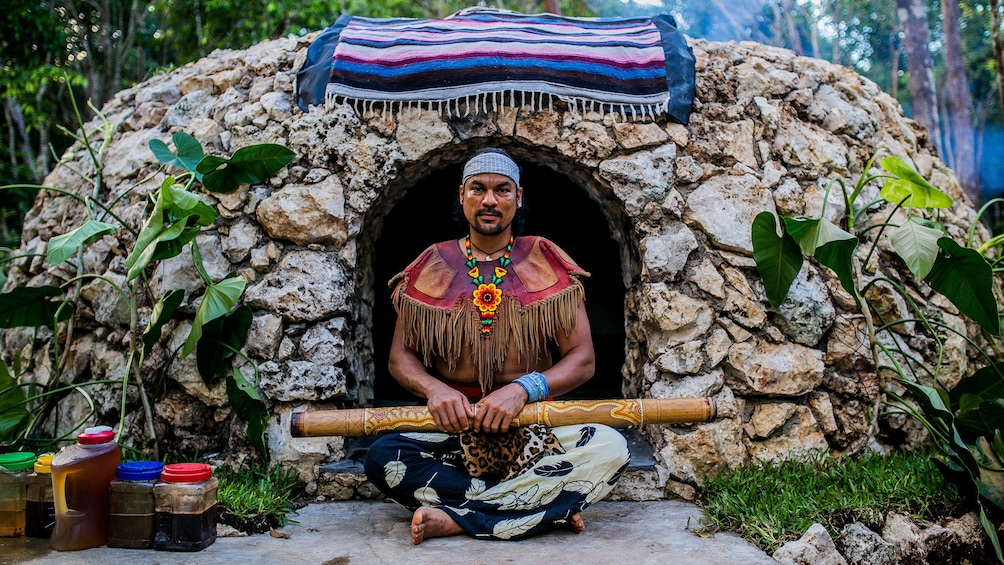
point(14, 470)
point(185, 500)
point(40, 508)
point(131, 520)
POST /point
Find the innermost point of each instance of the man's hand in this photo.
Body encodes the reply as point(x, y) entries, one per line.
point(495, 412)
point(450, 409)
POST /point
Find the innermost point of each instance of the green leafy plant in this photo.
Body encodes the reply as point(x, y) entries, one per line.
point(21, 408)
point(254, 499)
point(54, 306)
point(219, 329)
point(965, 425)
point(176, 220)
point(757, 500)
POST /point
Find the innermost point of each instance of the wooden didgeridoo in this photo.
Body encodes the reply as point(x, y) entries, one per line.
point(617, 412)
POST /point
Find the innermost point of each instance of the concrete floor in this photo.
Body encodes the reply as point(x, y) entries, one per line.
point(365, 532)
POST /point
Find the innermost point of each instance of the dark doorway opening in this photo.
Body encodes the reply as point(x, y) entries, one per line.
point(556, 209)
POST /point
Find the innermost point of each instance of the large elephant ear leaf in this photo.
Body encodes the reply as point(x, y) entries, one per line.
point(778, 258)
point(917, 245)
point(13, 406)
point(62, 247)
point(31, 306)
point(188, 156)
point(249, 165)
point(173, 223)
point(217, 301)
point(162, 311)
point(221, 339)
point(812, 233)
point(838, 255)
point(244, 399)
point(832, 246)
point(964, 277)
point(910, 188)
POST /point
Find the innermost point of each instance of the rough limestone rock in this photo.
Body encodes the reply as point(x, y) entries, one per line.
point(814, 548)
point(904, 536)
point(768, 131)
point(861, 546)
point(955, 541)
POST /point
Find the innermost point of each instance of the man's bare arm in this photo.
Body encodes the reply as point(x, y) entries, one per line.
point(576, 366)
point(449, 407)
point(578, 362)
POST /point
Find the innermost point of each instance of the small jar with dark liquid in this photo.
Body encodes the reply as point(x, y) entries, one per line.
point(14, 471)
point(185, 500)
point(40, 508)
point(131, 516)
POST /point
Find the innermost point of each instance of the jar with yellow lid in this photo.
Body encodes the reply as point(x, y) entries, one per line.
point(40, 508)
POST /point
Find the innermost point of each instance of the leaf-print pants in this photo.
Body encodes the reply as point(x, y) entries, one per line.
point(425, 469)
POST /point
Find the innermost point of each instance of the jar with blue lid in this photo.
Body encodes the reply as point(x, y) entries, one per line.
point(131, 516)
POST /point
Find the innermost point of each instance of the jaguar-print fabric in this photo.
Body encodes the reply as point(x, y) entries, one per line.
point(427, 469)
point(505, 455)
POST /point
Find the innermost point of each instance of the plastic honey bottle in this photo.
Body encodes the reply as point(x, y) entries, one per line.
point(14, 471)
point(80, 477)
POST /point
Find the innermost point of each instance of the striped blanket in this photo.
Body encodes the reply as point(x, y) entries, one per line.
point(478, 59)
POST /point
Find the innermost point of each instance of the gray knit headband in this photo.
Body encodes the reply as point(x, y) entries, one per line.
point(491, 163)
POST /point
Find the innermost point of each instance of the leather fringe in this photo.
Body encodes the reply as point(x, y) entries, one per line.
point(445, 333)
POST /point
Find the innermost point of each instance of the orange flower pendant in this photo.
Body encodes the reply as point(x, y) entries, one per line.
point(488, 296)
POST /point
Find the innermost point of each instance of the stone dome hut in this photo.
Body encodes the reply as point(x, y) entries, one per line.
point(659, 212)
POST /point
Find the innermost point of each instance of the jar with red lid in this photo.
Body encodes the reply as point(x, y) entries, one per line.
point(185, 504)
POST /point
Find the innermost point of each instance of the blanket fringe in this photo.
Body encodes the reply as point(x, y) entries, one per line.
point(484, 103)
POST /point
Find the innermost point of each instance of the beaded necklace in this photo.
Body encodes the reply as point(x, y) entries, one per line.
point(487, 297)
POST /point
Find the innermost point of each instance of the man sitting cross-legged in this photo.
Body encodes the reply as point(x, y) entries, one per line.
point(477, 318)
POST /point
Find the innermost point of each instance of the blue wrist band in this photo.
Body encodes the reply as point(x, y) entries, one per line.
point(535, 385)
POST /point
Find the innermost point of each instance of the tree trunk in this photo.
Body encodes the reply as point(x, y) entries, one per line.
point(777, 34)
point(895, 49)
point(837, 21)
point(44, 126)
point(913, 15)
point(813, 33)
point(551, 7)
point(738, 30)
point(959, 103)
point(788, 11)
point(20, 132)
point(995, 30)
point(980, 123)
point(11, 136)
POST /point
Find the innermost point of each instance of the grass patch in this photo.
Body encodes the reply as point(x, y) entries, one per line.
point(772, 504)
point(254, 499)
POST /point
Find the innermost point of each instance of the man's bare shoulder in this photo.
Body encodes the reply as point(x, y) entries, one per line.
point(557, 254)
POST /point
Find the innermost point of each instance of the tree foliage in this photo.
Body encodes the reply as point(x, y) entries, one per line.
point(96, 48)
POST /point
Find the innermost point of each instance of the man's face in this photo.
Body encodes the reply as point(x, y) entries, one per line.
point(490, 201)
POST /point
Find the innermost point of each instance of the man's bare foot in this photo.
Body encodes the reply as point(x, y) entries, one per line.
point(576, 524)
point(432, 523)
